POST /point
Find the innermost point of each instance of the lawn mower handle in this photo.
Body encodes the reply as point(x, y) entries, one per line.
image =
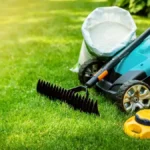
point(116, 59)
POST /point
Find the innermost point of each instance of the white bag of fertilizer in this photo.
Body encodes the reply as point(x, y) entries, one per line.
point(105, 31)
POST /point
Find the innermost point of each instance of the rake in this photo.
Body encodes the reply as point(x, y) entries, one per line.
point(71, 97)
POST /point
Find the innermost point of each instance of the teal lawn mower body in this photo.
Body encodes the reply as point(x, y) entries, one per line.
point(138, 59)
point(125, 77)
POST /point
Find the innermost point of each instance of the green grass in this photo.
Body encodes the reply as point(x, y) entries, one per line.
point(42, 39)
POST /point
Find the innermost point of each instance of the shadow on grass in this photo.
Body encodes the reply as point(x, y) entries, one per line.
point(77, 5)
point(19, 6)
point(57, 8)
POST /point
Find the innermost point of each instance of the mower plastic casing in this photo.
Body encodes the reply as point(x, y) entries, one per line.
point(135, 66)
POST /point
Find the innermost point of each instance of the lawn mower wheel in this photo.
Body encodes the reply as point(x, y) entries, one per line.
point(134, 95)
point(88, 69)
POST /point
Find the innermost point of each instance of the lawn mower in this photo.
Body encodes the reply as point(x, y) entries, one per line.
point(125, 77)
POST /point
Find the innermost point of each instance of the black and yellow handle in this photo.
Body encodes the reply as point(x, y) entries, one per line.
point(103, 72)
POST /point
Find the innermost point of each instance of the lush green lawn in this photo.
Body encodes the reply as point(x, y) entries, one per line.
point(42, 39)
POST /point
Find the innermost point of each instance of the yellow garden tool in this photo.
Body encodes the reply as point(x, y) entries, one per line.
point(138, 126)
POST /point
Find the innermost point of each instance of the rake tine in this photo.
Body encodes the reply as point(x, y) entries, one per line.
point(76, 101)
point(95, 108)
point(90, 106)
point(63, 95)
point(68, 97)
point(84, 107)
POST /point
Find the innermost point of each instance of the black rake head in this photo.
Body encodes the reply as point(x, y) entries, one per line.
point(70, 97)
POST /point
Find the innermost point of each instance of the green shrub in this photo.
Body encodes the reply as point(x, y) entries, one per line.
point(141, 7)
